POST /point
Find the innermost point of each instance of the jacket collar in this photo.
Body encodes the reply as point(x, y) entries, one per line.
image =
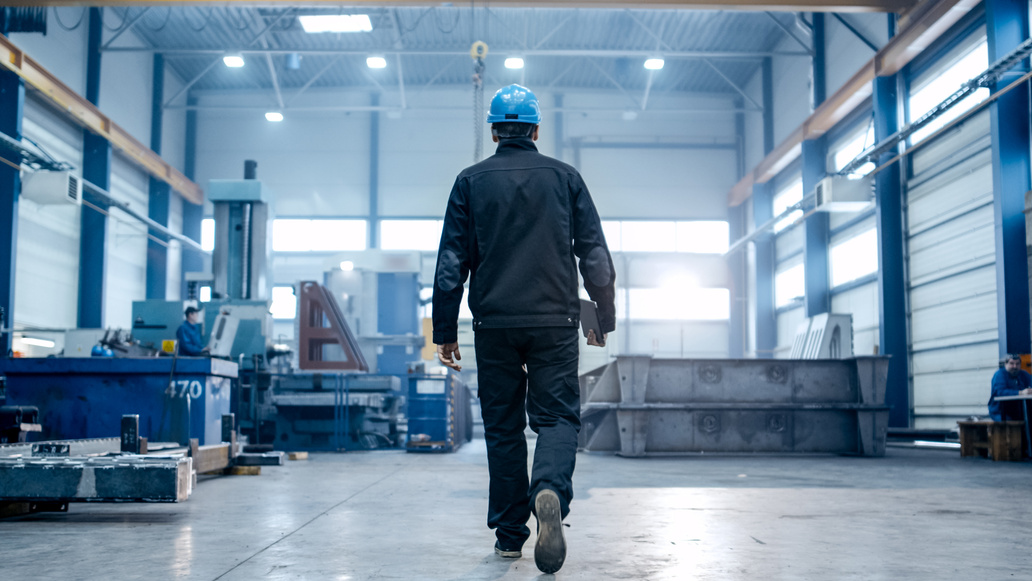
point(518, 143)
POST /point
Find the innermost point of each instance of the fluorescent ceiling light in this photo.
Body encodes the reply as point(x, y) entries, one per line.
point(376, 62)
point(37, 342)
point(514, 63)
point(654, 64)
point(233, 61)
point(274, 116)
point(336, 23)
point(347, 265)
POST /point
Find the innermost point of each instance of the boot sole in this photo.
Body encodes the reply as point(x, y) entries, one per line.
point(508, 554)
point(550, 549)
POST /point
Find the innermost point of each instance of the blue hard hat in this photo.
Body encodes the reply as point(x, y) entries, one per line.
point(514, 104)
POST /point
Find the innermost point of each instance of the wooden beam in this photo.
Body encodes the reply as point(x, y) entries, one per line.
point(750, 5)
point(86, 114)
point(927, 24)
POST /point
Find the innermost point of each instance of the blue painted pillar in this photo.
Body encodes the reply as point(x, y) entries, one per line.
point(1007, 26)
point(736, 262)
point(815, 246)
point(374, 174)
point(766, 319)
point(96, 168)
point(12, 102)
point(892, 309)
point(160, 192)
point(193, 260)
point(763, 210)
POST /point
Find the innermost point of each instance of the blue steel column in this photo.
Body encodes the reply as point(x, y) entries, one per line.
point(763, 210)
point(96, 168)
point(815, 249)
point(1007, 26)
point(766, 319)
point(193, 261)
point(12, 101)
point(892, 309)
point(160, 192)
point(737, 262)
point(374, 174)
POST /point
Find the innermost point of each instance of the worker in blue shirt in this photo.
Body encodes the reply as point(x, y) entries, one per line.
point(1010, 380)
point(189, 335)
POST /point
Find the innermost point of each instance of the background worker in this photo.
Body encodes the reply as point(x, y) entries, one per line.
point(514, 224)
point(188, 336)
point(1009, 380)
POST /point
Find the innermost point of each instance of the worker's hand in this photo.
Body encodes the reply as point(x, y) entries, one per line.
point(446, 352)
point(593, 341)
point(1026, 391)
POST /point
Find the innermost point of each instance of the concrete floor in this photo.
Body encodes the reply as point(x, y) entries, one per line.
point(915, 514)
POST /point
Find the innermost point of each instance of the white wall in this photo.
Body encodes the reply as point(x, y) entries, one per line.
point(46, 281)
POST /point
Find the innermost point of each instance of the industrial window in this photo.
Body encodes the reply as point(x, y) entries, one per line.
point(929, 89)
point(784, 199)
point(424, 235)
point(854, 257)
point(850, 149)
point(205, 294)
point(692, 237)
point(789, 285)
point(290, 235)
point(284, 302)
point(208, 234)
point(671, 303)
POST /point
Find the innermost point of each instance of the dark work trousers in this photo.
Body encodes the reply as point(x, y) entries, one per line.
point(552, 402)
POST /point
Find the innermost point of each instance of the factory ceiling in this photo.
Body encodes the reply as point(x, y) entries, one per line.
point(563, 48)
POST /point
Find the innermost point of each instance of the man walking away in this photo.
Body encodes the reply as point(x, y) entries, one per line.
point(515, 225)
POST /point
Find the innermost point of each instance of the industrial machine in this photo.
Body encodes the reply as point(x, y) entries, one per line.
point(335, 389)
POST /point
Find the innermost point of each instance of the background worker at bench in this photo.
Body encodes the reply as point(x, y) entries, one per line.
point(1009, 380)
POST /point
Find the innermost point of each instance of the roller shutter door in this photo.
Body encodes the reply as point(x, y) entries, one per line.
point(951, 253)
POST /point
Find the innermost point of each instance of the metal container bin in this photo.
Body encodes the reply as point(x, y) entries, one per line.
point(439, 413)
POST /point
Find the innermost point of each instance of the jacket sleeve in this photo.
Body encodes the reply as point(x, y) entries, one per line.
point(452, 266)
point(1000, 387)
point(596, 264)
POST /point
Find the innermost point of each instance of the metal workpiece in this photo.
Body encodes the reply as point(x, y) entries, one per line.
point(127, 478)
point(260, 459)
point(87, 447)
point(640, 406)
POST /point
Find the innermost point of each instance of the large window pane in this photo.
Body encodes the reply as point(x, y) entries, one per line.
point(784, 199)
point(710, 237)
point(680, 304)
point(208, 234)
point(941, 83)
point(648, 236)
point(789, 285)
point(854, 258)
point(611, 229)
point(852, 148)
point(290, 235)
point(422, 235)
point(284, 302)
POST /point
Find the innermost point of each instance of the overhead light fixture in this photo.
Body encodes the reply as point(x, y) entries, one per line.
point(376, 62)
point(514, 63)
point(38, 342)
point(293, 61)
point(233, 61)
point(654, 64)
point(274, 116)
point(347, 265)
point(317, 23)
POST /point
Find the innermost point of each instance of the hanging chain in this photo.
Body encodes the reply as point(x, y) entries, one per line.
point(478, 109)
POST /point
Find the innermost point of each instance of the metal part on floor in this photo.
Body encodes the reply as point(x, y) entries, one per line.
point(640, 406)
point(127, 478)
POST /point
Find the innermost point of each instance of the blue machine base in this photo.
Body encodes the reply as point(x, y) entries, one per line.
point(86, 398)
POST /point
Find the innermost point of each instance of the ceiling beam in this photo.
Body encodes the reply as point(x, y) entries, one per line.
point(589, 53)
point(751, 5)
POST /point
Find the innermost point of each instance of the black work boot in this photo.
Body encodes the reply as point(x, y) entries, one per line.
point(507, 553)
point(550, 549)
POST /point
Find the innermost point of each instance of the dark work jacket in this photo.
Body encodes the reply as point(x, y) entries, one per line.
point(1006, 384)
point(189, 337)
point(516, 224)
